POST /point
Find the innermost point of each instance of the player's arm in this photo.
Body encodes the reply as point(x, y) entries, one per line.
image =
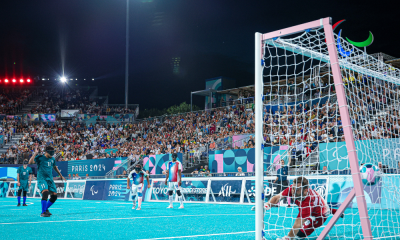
point(298, 223)
point(180, 177)
point(128, 181)
point(30, 178)
point(166, 176)
point(32, 159)
point(148, 181)
point(18, 183)
point(273, 201)
point(59, 174)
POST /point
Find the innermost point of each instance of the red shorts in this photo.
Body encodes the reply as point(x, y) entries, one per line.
point(311, 224)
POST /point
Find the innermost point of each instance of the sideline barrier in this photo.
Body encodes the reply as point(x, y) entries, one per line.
point(219, 190)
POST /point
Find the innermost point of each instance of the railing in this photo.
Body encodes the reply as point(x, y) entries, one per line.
point(287, 154)
point(112, 171)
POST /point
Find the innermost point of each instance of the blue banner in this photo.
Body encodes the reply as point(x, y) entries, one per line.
point(94, 190)
point(194, 191)
point(225, 190)
point(4, 188)
point(93, 167)
point(116, 190)
point(271, 189)
point(334, 155)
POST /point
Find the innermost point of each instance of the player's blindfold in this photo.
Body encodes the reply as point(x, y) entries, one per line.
point(50, 152)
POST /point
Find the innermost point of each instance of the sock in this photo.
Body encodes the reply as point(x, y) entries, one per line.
point(134, 200)
point(24, 200)
point(181, 200)
point(288, 201)
point(48, 205)
point(44, 205)
point(140, 201)
point(171, 199)
point(19, 199)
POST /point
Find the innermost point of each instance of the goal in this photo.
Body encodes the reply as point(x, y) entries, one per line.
point(336, 111)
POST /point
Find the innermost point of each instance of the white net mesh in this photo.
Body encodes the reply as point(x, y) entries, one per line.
point(301, 116)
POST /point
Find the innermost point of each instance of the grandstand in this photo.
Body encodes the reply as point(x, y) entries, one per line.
point(100, 143)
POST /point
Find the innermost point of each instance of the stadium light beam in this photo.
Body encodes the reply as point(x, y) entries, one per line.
point(63, 79)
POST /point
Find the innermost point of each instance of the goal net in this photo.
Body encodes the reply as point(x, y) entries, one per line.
point(301, 114)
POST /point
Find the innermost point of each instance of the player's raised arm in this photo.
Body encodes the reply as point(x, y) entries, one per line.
point(32, 159)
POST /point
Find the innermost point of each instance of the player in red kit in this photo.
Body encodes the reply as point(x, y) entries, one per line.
point(313, 209)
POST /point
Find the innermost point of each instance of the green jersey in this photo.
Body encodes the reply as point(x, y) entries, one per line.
point(45, 167)
point(24, 172)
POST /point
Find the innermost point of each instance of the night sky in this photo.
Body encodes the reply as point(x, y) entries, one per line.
point(211, 38)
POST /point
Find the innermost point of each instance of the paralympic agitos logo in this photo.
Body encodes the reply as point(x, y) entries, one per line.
point(341, 50)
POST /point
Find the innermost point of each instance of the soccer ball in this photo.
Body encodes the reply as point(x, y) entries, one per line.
point(370, 174)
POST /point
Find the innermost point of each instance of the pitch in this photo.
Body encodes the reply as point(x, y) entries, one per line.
point(77, 219)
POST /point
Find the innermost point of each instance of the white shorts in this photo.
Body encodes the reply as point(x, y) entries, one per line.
point(137, 188)
point(173, 186)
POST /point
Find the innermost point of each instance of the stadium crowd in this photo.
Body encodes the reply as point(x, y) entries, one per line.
point(303, 127)
point(56, 99)
point(13, 100)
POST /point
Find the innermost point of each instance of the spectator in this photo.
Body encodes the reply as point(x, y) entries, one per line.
point(240, 173)
point(69, 177)
point(398, 167)
point(77, 177)
point(87, 176)
point(281, 181)
point(73, 177)
point(325, 170)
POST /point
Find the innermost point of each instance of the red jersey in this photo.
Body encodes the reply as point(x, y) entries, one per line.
point(313, 205)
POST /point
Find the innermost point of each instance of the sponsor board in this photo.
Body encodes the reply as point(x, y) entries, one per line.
point(94, 190)
point(225, 190)
point(75, 189)
point(271, 189)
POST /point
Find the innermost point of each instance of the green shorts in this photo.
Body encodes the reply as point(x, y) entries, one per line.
point(24, 185)
point(47, 184)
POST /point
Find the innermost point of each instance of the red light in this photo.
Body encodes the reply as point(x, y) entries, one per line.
point(21, 80)
point(6, 80)
point(28, 80)
point(14, 80)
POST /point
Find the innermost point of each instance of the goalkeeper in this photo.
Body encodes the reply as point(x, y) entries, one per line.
point(313, 210)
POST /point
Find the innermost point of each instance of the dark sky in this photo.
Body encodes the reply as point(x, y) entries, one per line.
point(212, 38)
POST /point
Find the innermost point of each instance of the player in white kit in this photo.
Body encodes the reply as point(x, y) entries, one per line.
point(137, 177)
point(174, 179)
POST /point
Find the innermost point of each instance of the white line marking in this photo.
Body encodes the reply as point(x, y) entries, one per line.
point(119, 206)
point(56, 208)
point(216, 234)
point(88, 207)
point(16, 209)
point(109, 219)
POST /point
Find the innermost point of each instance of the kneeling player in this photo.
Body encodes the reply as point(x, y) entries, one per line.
point(313, 210)
point(137, 177)
point(174, 179)
point(23, 175)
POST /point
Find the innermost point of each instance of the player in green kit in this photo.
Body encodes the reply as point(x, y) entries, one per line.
point(46, 163)
point(23, 176)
